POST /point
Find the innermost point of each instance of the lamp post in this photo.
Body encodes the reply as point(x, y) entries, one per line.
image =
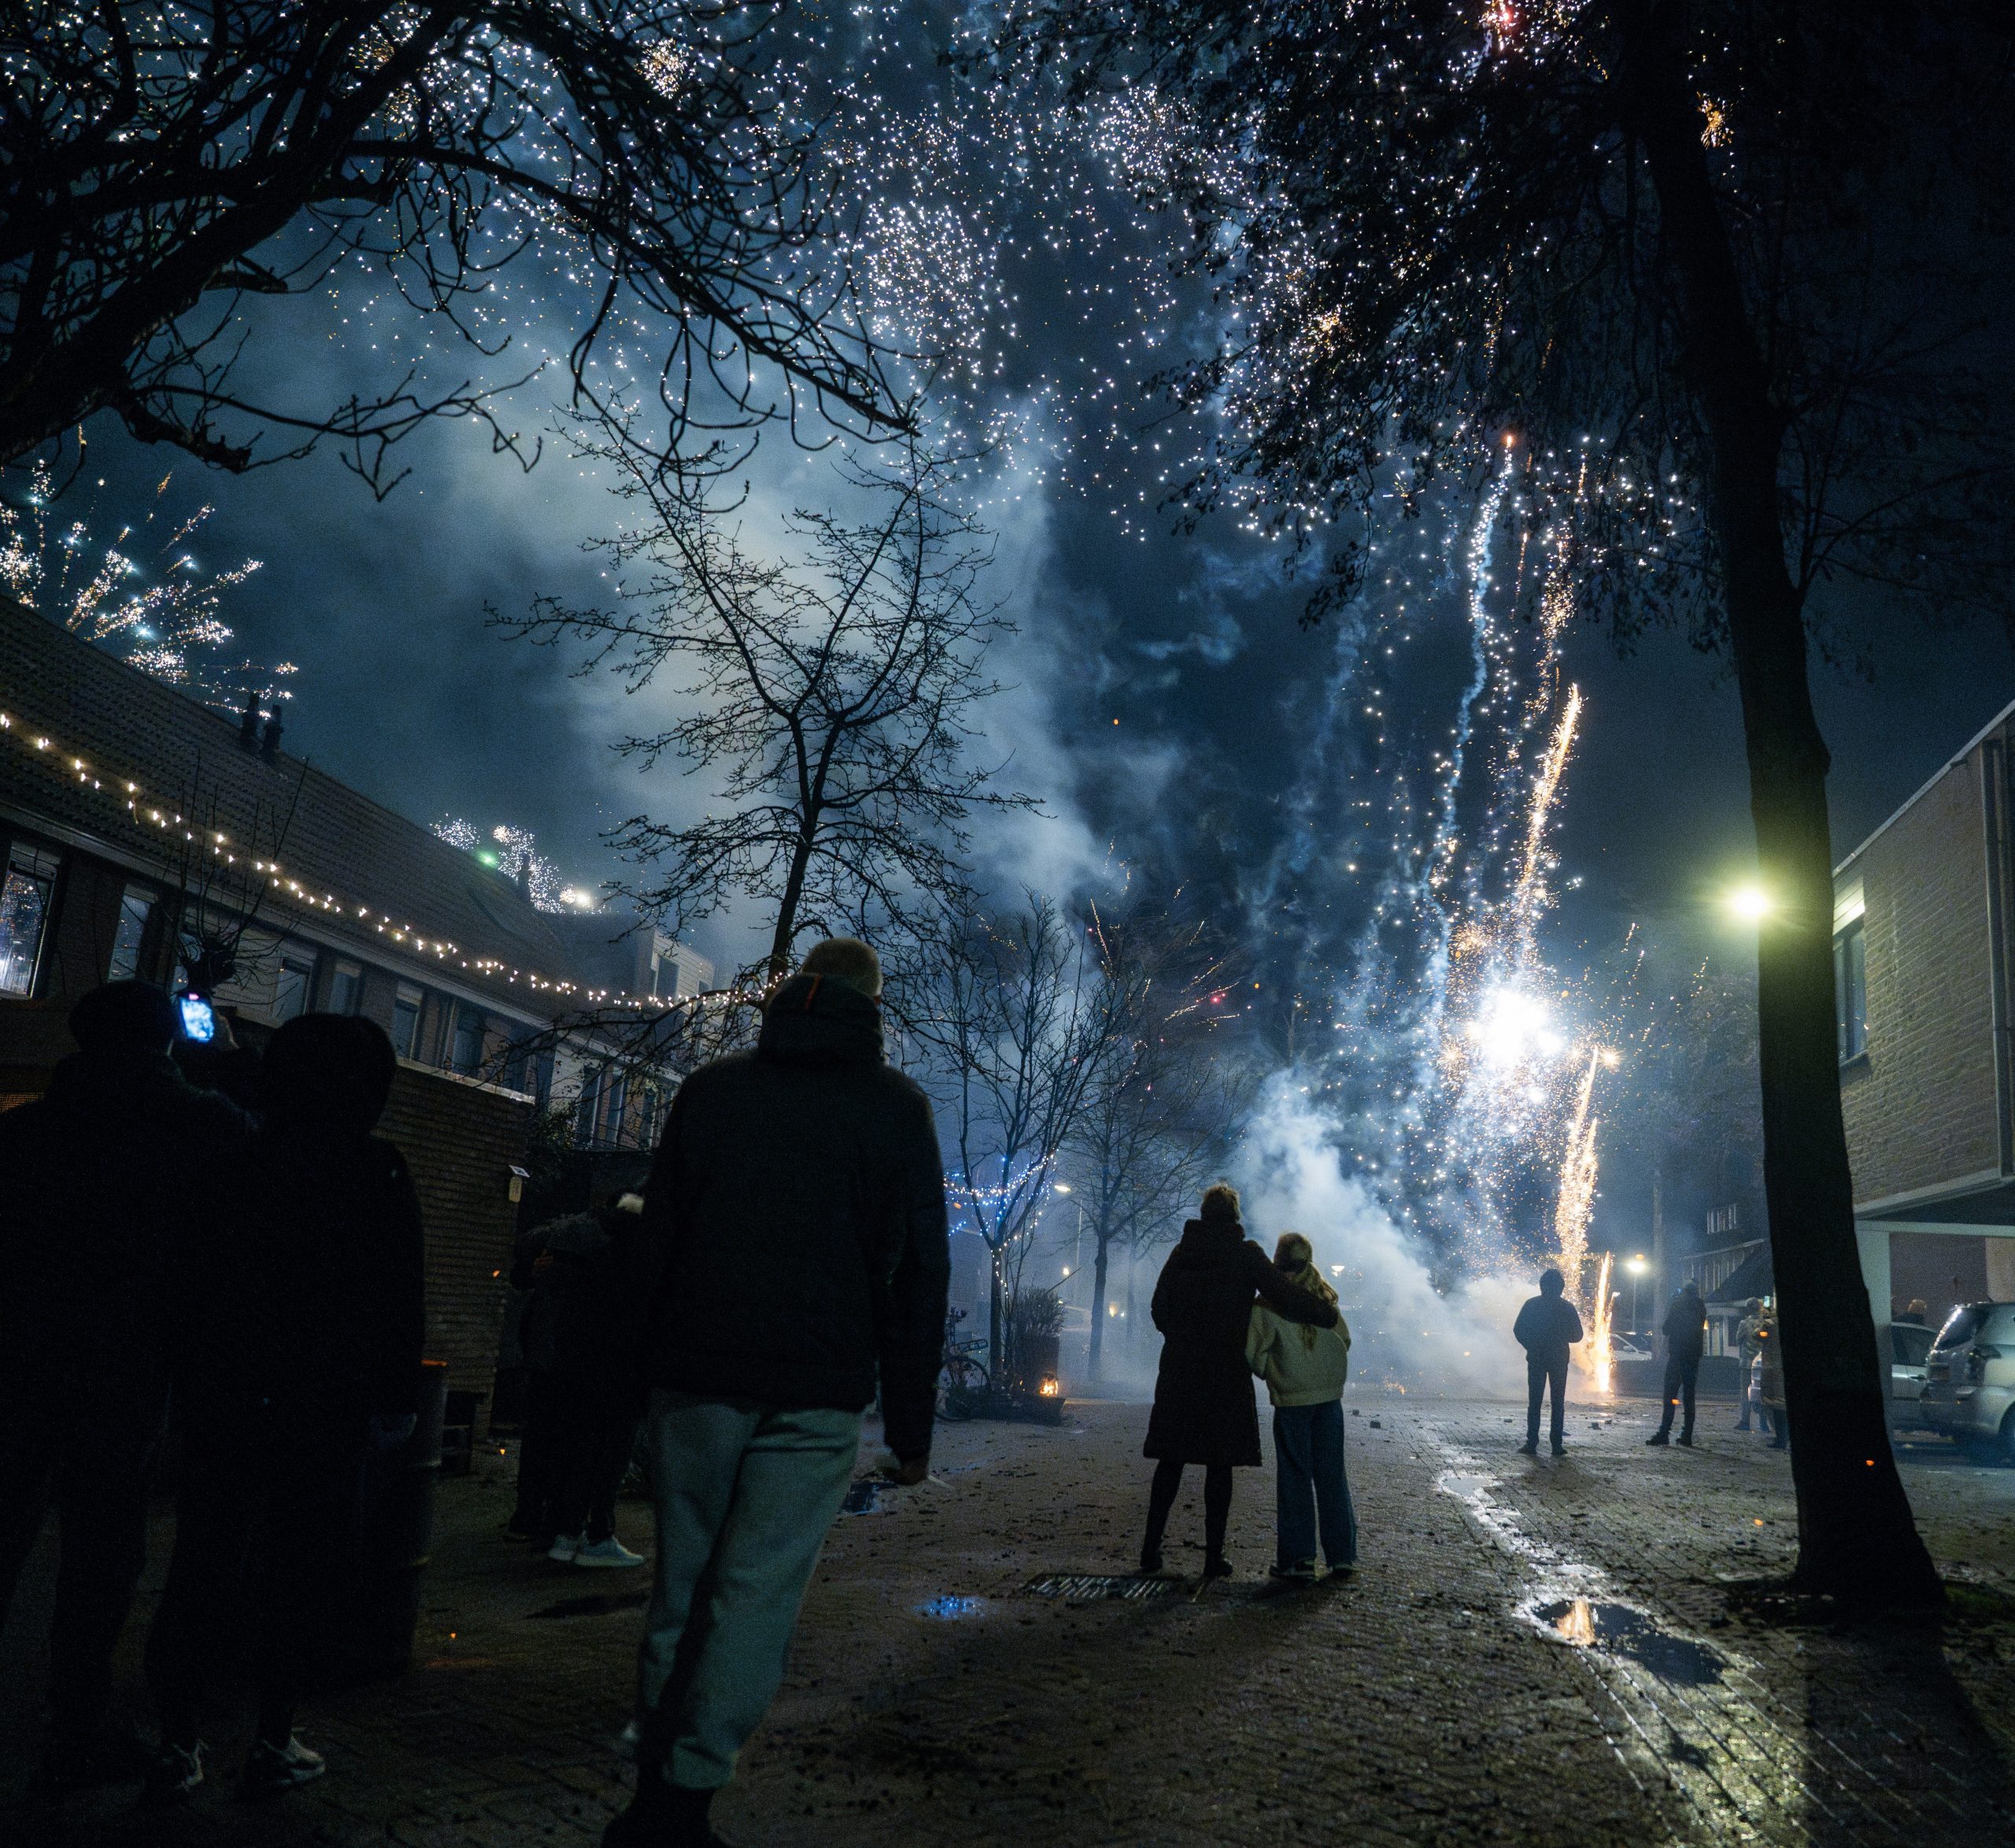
point(1636, 1267)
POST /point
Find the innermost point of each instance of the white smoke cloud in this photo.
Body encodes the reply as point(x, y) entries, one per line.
point(1404, 1333)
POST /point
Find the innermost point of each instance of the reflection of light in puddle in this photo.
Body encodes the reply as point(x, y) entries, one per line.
point(949, 1606)
point(1616, 1629)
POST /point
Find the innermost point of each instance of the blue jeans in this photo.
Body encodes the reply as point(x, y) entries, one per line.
point(745, 1495)
point(1308, 1474)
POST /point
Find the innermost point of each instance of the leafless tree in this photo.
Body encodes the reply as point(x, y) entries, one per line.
point(161, 165)
point(835, 692)
point(1164, 1102)
point(1018, 1029)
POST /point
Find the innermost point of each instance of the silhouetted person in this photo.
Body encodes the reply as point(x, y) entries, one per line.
point(104, 1184)
point(1746, 1346)
point(1204, 1410)
point(796, 1209)
point(1305, 1369)
point(1770, 1380)
point(1547, 1326)
point(305, 1362)
point(1917, 1313)
point(1685, 1331)
point(592, 1284)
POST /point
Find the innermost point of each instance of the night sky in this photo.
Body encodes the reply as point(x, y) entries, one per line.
point(1167, 704)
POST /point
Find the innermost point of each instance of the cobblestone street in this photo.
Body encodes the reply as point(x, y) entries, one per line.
point(1541, 1652)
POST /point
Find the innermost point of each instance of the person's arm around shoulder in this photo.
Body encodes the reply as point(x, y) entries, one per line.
point(1296, 1305)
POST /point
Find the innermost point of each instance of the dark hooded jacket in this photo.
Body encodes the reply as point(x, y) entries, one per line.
point(796, 1214)
point(111, 1183)
point(1204, 1410)
point(1685, 1326)
point(1547, 1327)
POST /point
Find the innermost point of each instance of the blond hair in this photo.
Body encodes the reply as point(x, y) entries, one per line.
point(1294, 1255)
point(1221, 1201)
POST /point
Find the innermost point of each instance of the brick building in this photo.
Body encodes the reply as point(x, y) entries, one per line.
point(141, 834)
point(1921, 918)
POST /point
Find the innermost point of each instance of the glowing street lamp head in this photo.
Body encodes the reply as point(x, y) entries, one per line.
point(1751, 903)
point(1637, 1266)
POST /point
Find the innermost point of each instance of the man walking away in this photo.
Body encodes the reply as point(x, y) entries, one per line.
point(1747, 1347)
point(797, 1208)
point(1547, 1327)
point(1770, 1381)
point(109, 1178)
point(1685, 1331)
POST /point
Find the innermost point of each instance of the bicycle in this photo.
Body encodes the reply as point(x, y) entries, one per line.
point(962, 1384)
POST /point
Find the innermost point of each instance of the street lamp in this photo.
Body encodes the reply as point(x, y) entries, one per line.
point(1751, 903)
point(1636, 1267)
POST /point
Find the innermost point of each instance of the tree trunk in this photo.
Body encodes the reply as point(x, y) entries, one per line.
point(1857, 1538)
point(1096, 1347)
point(995, 1321)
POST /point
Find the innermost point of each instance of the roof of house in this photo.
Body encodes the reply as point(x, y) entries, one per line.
point(1951, 763)
point(91, 743)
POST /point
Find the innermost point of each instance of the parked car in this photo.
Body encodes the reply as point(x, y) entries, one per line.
point(1969, 1377)
point(1910, 1351)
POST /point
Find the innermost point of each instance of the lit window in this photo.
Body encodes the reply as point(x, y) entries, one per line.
point(345, 988)
point(293, 985)
point(24, 901)
point(136, 908)
point(1850, 990)
point(405, 1019)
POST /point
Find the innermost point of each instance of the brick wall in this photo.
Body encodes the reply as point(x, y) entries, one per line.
point(460, 1140)
point(1920, 1108)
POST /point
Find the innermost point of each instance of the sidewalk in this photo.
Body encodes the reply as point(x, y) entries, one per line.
point(1438, 1697)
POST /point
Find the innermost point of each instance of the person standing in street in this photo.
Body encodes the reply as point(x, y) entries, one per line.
point(1305, 1368)
point(795, 1215)
point(1204, 1409)
point(1746, 1346)
point(1770, 1380)
point(594, 1379)
point(1547, 1326)
point(304, 1362)
point(1685, 1331)
point(109, 1180)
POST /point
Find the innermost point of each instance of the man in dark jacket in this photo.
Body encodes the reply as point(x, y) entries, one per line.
point(1685, 1331)
point(1547, 1327)
point(797, 1206)
point(109, 1178)
point(304, 1362)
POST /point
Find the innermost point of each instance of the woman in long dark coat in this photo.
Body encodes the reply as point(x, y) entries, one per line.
point(1204, 1410)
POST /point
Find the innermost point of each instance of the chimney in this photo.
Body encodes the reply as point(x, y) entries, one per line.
point(248, 722)
point(269, 746)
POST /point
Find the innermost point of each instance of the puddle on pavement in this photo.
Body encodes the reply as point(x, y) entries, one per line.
point(1616, 1629)
point(1467, 1487)
point(864, 1498)
point(602, 1605)
point(950, 1606)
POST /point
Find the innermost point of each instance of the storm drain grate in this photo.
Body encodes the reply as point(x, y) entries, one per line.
point(1081, 1588)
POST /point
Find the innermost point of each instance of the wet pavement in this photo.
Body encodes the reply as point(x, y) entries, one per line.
point(1534, 1651)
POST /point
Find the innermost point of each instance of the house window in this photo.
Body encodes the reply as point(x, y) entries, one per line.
point(292, 986)
point(521, 1061)
point(1850, 990)
point(345, 988)
point(136, 910)
point(405, 1019)
point(618, 1104)
point(589, 1106)
point(25, 902)
point(465, 1049)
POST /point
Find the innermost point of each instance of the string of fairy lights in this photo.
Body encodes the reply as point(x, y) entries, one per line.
point(134, 803)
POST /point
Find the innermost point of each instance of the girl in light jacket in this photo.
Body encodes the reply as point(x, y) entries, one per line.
point(1304, 1367)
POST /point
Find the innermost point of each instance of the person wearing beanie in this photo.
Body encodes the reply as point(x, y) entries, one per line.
point(1305, 1367)
point(1204, 1410)
point(112, 1179)
point(795, 1215)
